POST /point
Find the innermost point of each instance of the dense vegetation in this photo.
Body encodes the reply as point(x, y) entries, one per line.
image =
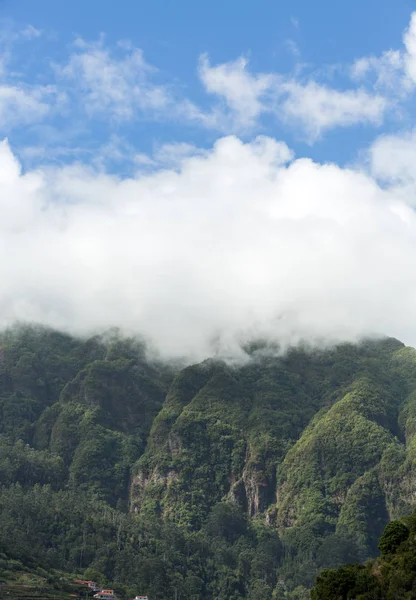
point(392, 576)
point(211, 481)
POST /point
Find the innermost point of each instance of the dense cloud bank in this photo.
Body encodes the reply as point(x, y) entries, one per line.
point(237, 242)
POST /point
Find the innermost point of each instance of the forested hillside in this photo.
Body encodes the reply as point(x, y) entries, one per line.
point(392, 576)
point(211, 481)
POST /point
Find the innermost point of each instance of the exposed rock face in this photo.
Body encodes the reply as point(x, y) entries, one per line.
point(301, 441)
point(141, 484)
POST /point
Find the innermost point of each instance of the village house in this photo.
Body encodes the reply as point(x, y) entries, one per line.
point(105, 595)
point(94, 587)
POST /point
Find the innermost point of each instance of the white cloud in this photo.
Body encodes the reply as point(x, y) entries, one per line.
point(29, 33)
point(173, 154)
point(388, 69)
point(312, 107)
point(221, 244)
point(236, 243)
point(293, 48)
point(122, 86)
point(318, 108)
point(409, 40)
point(10, 33)
point(393, 157)
point(242, 91)
point(118, 85)
point(394, 70)
point(115, 86)
point(23, 105)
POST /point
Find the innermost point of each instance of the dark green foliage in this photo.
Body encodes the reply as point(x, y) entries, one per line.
point(364, 513)
point(394, 534)
point(19, 463)
point(101, 464)
point(86, 406)
point(391, 577)
point(351, 581)
point(69, 530)
point(226, 522)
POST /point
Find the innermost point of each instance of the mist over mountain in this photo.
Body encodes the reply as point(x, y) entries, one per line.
point(236, 244)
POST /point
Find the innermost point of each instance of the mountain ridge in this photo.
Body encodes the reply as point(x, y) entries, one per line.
point(314, 448)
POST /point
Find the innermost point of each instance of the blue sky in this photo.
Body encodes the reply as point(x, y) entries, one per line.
point(203, 173)
point(298, 41)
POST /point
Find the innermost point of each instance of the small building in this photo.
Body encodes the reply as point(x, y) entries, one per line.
point(91, 584)
point(141, 598)
point(105, 595)
point(94, 587)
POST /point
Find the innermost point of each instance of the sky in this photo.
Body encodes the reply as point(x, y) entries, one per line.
point(208, 173)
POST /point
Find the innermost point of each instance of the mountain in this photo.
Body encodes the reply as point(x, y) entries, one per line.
point(318, 445)
point(215, 480)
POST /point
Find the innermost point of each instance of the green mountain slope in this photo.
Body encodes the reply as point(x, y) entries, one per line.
point(211, 481)
point(315, 444)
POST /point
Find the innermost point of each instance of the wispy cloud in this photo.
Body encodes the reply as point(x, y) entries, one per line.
point(295, 22)
point(395, 69)
point(116, 85)
point(409, 40)
point(21, 103)
point(311, 107)
point(244, 93)
point(19, 106)
point(29, 33)
point(316, 108)
point(119, 84)
point(311, 104)
point(388, 70)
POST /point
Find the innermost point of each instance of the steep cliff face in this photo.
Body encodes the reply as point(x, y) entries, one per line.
point(286, 438)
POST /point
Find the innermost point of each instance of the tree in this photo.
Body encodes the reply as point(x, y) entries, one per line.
point(394, 534)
